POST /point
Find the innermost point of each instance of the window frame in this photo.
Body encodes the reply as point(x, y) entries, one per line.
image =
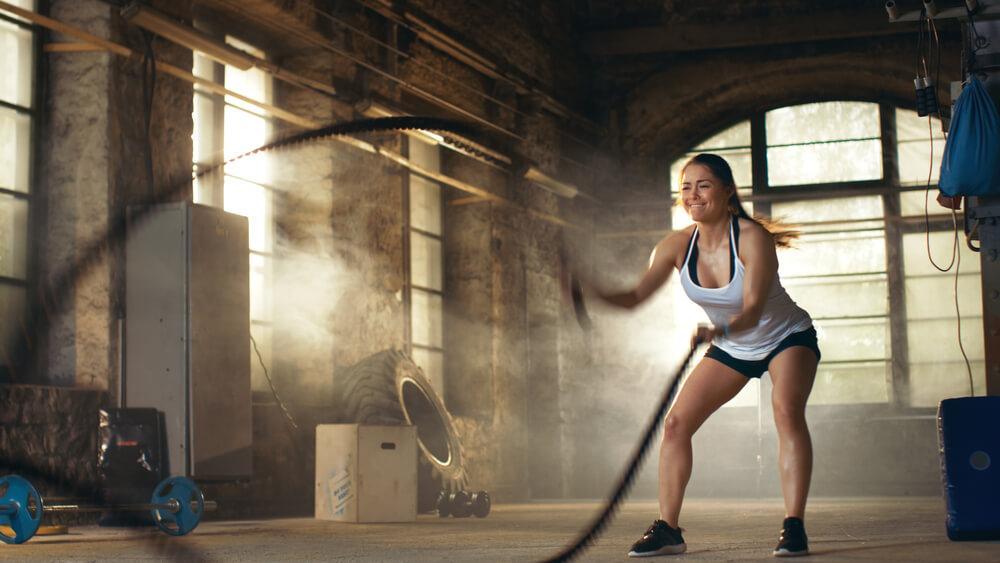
point(33, 228)
point(408, 286)
point(215, 188)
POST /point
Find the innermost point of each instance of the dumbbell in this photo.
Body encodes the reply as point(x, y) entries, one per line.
point(462, 504)
point(176, 505)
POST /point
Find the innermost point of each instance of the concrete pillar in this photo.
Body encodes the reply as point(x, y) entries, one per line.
point(92, 165)
point(73, 194)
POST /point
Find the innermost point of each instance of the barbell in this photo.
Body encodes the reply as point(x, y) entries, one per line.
point(177, 505)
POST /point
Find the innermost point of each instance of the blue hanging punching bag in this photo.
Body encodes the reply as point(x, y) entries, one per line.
point(969, 431)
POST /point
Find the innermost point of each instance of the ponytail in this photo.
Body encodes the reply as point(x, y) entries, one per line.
point(782, 233)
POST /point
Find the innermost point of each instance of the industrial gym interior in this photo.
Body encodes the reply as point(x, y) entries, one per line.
point(249, 244)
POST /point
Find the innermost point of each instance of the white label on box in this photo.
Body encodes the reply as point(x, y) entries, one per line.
point(339, 488)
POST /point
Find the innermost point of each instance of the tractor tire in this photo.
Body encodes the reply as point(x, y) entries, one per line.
point(388, 388)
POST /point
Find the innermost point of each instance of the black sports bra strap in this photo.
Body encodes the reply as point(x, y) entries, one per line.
point(735, 236)
point(691, 246)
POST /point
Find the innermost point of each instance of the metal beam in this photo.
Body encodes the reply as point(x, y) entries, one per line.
point(687, 37)
point(986, 210)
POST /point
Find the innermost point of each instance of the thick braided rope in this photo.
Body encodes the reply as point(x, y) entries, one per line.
point(628, 478)
point(52, 297)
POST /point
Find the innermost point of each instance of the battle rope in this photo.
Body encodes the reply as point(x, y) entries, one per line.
point(51, 298)
point(604, 518)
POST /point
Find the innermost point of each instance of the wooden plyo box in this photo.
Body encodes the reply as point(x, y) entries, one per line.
point(366, 473)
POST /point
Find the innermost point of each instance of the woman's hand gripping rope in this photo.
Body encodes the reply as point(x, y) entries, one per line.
point(704, 334)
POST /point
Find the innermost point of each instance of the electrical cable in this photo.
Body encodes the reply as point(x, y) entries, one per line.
point(958, 313)
point(598, 525)
point(954, 219)
point(148, 90)
point(956, 257)
point(937, 64)
point(927, 219)
point(930, 134)
point(281, 404)
point(980, 41)
point(920, 46)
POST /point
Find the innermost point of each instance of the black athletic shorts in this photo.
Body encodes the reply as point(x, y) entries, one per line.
point(756, 368)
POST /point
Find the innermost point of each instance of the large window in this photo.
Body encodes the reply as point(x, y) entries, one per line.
point(426, 277)
point(852, 177)
point(17, 53)
point(225, 127)
point(825, 142)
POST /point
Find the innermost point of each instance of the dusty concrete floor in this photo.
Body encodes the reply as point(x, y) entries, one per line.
point(892, 529)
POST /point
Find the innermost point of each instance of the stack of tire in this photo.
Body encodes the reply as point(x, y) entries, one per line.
point(388, 388)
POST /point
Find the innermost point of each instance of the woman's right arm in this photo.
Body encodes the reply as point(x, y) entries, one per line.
point(661, 263)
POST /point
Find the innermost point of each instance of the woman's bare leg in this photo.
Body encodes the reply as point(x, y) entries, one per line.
point(709, 386)
point(792, 372)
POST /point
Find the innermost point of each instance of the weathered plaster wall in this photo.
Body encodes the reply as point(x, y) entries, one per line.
point(74, 193)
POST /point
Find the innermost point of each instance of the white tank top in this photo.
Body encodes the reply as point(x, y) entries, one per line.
point(781, 316)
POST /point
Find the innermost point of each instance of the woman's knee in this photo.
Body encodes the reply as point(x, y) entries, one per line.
point(675, 429)
point(789, 416)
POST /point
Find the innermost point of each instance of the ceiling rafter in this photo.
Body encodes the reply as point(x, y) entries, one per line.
point(758, 32)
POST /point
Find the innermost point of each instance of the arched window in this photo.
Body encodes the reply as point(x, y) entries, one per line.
point(852, 176)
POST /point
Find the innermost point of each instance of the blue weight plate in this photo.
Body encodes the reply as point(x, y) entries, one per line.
point(185, 492)
point(17, 492)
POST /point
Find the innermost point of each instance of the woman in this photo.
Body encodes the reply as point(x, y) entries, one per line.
point(728, 265)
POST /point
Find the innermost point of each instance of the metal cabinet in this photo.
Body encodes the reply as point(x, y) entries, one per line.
point(187, 331)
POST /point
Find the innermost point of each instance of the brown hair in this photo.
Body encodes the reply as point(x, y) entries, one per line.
point(782, 233)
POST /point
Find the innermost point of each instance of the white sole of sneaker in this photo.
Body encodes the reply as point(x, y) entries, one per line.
point(665, 550)
point(785, 553)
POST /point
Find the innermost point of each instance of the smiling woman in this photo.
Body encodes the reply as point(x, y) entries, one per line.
point(826, 168)
point(727, 265)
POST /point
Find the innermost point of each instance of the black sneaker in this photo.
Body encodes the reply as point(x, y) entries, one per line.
point(793, 541)
point(659, 539)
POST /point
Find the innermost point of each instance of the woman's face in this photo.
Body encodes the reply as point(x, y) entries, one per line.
point(703, 195)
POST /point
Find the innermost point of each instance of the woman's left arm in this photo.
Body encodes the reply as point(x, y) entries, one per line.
point(760, 260)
